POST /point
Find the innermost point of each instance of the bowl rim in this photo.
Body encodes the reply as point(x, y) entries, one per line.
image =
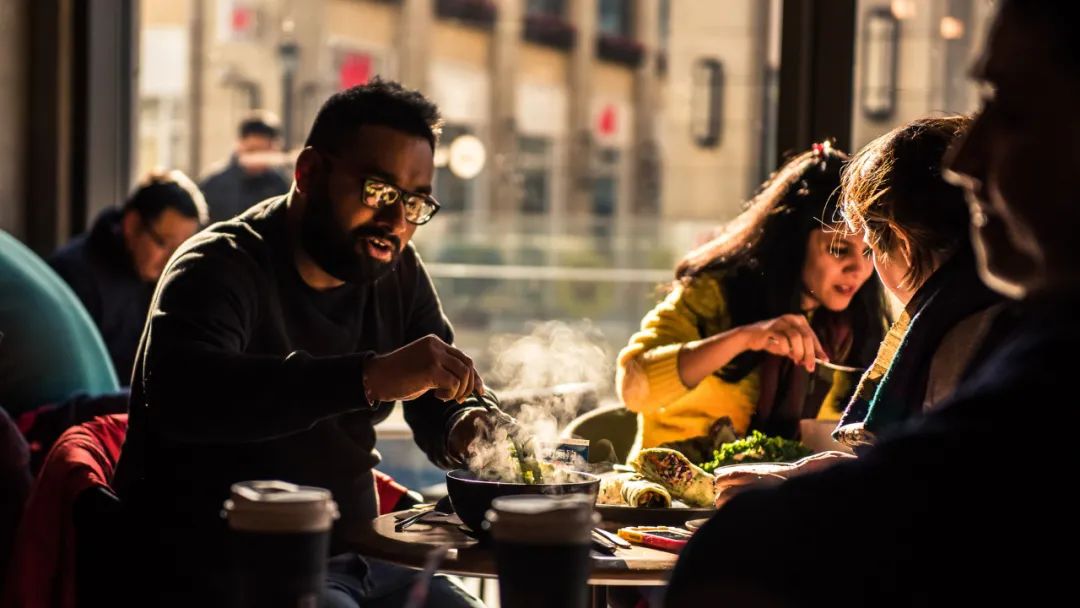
point(459, 475)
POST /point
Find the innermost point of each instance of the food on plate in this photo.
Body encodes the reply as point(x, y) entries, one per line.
point(631, 489)
point(757, 447)
point(611, 489)
point(684, 480)
point(640, 492)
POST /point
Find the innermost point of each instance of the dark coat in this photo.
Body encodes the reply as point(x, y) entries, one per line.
point(100, 271)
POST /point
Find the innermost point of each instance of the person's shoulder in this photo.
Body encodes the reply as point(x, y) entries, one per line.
point(72, 256)
point(216, 173)
point(712, 278)
point(251, 236)
point(704, 290)
point(411, 257)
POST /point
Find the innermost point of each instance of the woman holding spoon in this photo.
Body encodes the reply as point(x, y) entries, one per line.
point(750, 315)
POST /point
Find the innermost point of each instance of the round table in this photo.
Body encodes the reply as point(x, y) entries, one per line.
point(466, 557)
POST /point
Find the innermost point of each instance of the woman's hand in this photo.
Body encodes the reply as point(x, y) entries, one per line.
point(787, 336)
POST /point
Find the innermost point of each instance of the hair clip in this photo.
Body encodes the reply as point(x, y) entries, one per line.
point(822, 151)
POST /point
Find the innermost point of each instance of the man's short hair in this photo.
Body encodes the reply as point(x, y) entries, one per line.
point(260, 123)
point(379, 102)
point(160, 190)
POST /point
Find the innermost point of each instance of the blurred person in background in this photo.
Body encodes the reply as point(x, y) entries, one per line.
point(251, 173)
point(115, 266)
point(955, 507)
point(751, 310)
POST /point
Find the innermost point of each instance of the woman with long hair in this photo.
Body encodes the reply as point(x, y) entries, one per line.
point(751, 312)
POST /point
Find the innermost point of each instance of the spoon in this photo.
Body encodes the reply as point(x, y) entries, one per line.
point(443, 507)
point(840, 368)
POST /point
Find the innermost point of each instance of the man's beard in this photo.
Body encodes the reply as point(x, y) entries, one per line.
point(341, 252)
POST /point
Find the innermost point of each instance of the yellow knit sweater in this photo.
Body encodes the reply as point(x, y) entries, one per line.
point(648, 370)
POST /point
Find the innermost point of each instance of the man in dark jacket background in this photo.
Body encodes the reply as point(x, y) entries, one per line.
point(250, 176)
point(114, 267)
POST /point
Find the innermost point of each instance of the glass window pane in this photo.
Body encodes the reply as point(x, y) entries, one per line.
point(912, 59)
point(545, 7)
point(614, 17)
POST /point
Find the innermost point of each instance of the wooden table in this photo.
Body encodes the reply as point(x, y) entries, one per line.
point(640, 566)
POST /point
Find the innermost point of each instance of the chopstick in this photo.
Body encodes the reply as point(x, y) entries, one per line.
point(412, 519)
point(602, 545)
point(613, 538)
point(515, 439)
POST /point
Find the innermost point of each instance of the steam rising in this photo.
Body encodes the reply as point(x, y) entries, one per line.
point(545, 376)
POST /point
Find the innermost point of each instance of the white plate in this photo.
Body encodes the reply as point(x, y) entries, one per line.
point(694, 524)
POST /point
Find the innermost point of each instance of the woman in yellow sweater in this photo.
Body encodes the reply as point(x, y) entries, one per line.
point(749, 313)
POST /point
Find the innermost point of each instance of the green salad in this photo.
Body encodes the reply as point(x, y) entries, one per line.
point(757, 447)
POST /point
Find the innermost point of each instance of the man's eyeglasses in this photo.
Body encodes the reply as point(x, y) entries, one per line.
point(156, 237)
point(153, 234)
point(419, 208)
point(379, 194)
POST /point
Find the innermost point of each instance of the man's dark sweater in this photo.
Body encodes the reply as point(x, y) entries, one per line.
point(100, 271)
point(247, 373)
point(960, 507)
point(232, 190)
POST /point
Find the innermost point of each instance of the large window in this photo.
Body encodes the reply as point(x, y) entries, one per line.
point(546, 7)
point(451, 189)
point(534, 161)
point(615, 17)
point(912, 61)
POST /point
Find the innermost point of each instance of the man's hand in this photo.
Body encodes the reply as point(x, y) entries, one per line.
point(475, 425)
point(733, 480)
point(484, 427)
point(816, 463)
point(418, 367)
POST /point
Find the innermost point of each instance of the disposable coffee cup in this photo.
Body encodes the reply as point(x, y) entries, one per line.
point(542, 549)
point(279, 541)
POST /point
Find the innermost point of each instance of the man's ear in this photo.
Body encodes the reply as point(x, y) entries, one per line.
point(307, 165)
point(903, 246)
point(129, 223)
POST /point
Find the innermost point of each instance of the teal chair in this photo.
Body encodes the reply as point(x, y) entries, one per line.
point(50, 349)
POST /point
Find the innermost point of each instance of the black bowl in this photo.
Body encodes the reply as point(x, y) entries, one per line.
point(472, 497)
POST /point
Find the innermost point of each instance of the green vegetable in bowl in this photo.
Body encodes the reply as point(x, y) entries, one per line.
point(757, 447)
